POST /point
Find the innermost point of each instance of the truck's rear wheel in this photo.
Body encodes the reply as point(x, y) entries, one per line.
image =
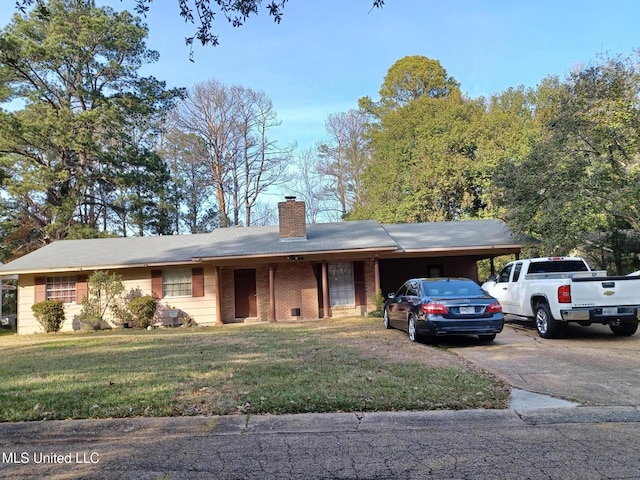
point(624, 329)
point(546, 325)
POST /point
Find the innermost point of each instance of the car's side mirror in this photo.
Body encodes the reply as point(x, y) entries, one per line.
point(492, 278)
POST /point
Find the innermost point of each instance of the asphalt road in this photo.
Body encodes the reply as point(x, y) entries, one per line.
point(577, 443)
point(585, 442)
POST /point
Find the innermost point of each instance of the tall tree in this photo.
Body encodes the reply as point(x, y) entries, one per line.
point(208, 113)
point(424, 147)
point(509, 129)
point(261, 163)
point(413, 77)
point(580, 185)
point(311, 186)
point(233, 124)
point(71, 79)
point(196, 208)
point(345, 156)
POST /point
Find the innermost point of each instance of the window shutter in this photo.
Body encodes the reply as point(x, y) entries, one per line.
point(40, 289)
point(156, 284)
point(82, 288)
point(197, 282)
point(359, 284)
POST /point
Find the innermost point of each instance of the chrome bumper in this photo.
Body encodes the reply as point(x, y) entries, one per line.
point(593, 314)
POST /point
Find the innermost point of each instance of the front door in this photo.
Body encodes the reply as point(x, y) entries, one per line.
point(244, 282)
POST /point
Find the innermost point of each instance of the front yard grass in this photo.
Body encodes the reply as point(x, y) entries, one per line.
point(234, 369)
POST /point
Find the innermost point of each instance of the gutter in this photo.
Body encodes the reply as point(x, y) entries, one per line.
point(303, 253)
point(91, 268)
point(461, 249)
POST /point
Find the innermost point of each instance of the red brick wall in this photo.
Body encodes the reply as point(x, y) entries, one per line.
point(292, 219)
point(262, 292)
point(370, 278)
point(296, 287)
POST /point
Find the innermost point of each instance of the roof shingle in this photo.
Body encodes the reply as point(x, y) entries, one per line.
point(258, 241)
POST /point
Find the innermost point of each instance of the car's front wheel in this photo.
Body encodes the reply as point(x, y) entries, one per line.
point(385, 318)
point(413, 334)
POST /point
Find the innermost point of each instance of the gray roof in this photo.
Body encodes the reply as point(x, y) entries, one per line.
point(109, 252)
point(450, 235)
point(321, 237)
point(238, 242)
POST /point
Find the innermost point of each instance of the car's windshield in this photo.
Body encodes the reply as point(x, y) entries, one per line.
point(453, 288)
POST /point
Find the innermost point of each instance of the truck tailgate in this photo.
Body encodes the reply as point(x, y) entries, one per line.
point(605, 291)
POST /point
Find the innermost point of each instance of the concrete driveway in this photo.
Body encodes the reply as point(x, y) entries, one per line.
point(591, 366)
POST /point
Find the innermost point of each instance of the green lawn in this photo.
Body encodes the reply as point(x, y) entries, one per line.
point(234, 369)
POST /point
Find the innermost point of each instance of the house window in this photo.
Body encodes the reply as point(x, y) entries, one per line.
point(61, 288)
point(176, 282)
point(341, 288)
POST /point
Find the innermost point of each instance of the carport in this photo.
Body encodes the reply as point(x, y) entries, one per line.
point(442, 249)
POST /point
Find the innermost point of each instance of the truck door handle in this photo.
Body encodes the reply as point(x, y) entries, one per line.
point(504, 288)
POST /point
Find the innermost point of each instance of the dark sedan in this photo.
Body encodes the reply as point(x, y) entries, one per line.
point(443, 306)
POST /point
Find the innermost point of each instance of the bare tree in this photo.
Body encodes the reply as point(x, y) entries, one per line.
point(233, 122)
point(208, 112)
point(264, 214)
point(186, 154)
point(310, 185)
point(345, 156)
point(264, 165)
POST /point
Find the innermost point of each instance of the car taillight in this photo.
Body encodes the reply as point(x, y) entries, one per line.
point(434, 308)
point(564, 294)
point(494, 308)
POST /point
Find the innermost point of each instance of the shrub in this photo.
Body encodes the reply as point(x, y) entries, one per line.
point(50, 314)
point(120, 309)
point(379, 299)
point(142, 308)
point(104, 291)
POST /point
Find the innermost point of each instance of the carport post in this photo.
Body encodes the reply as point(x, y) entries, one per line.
point(218, 294)
point(272, 293)
point(325, 290)
point(376, 274)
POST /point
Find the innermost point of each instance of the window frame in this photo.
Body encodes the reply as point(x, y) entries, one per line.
point(180, 286)
point(506, 270)
point(517, 270)
point(342, 291)
point(61, 287)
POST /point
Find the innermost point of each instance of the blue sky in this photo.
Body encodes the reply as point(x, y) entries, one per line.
point(327, 54)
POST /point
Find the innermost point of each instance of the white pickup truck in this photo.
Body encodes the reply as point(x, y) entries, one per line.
point(557, 290)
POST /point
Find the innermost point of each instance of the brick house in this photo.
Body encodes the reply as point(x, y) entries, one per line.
point(273, 273)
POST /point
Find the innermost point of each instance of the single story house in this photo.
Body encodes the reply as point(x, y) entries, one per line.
point(289, 271)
